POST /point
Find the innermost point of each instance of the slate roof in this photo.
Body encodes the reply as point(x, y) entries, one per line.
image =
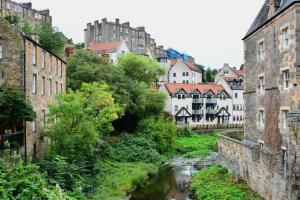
point(262, 16)
point(173, 87)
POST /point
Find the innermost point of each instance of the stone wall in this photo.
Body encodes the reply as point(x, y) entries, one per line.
point(258, 166)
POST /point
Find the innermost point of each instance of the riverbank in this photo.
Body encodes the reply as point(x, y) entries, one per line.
point(217, 183)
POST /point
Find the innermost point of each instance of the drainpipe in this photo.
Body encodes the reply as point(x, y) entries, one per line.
point(24, 84)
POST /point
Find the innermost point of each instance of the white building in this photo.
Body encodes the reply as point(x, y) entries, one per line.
point(233, 82)
point(198, 104)
point(110, 51)
point(184, 72)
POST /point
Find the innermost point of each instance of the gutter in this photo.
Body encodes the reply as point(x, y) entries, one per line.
point(276, 15)
point(24, 84)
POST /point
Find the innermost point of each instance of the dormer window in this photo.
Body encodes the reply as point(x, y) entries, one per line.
point(261, 50)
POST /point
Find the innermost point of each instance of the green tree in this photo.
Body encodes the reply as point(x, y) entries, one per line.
point(209, 75)
point(23, 25)
point(50, 38)
point(140, 68)
point(82, 117)
point(14, 108)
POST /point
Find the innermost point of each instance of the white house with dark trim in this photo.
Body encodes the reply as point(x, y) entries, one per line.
point(198, 104)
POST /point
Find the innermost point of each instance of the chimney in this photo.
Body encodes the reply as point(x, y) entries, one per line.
point(226, 65)
point(272, 8)
point(117, 21)
point(69, 49)
point(104, 21)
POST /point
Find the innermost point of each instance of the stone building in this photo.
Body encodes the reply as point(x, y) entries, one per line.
point(24, 11)
point(24, 63)
point(232, 80)
point(269, 158)
point(137, 39)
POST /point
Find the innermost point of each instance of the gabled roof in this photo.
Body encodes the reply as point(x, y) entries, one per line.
point(173, 87)
point(189, 64)
point(262, 17)
point(223, 112)
point(104, 47)
point(183, 112)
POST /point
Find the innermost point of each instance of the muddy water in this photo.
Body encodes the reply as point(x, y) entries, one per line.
point(172, 181)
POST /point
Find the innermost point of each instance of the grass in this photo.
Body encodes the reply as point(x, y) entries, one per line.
point(194, 146)
point(216, 183)
point(118, 179)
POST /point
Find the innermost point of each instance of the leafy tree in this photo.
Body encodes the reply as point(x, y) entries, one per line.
point(14, 108)
point(82, 117)
point(79, 46)
point(23, 25)
point(159, 130)
point(209, 75)
point(140, 68)
point(21, 182)
point(50, 38)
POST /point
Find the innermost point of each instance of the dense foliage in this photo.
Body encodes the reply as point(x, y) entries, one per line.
point(14, 108)
point(192, 146)
point(217, 183)
point(21, 24)
point(24, 182)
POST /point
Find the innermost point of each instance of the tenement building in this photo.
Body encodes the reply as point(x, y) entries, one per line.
point(137, 39)
point(24, 11)
point(24, 63)
point(197, 104)
point(269, 157)
point(233, 82)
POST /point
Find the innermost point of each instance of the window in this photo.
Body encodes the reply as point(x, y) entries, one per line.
point(261, 119)
point(33, 54)
point(286, 79)
point(43, 85)
point(56, 71)
point(61, 87)
point(174, 81)
point(234, 107)
point(187, 81)
point(33, 126)
point(234, 118)
point(236, 95)
point(176, 109)
point(43, 118)
point(34, 83)
point(187, 74)
point(60, 70)
point(43, 59)
point(284, 119)
point(183, 81)
point(56, 87)
point(183, 74)
point(227, 107)
point(285, 34)
point(50, 66)
point(261, 85)
point(1, 51)
point(261, 51)
point(50, 87)
point(174, 74)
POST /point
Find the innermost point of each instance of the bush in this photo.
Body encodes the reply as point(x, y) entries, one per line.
point(217, 183)
point(19, 182)
point(185, 131)
point(162, 132)
point(135, 149)
point(196, 145)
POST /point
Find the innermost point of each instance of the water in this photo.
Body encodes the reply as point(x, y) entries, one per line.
point(172, 181)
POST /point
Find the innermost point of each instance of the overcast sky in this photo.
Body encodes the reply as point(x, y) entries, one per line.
point(209, 30)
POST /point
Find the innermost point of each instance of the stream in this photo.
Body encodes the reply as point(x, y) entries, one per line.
point(172, 181)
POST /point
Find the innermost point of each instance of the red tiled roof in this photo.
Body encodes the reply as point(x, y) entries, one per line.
point(189, 64)
point(101, 47)
point(239, 72)
point(173, 87)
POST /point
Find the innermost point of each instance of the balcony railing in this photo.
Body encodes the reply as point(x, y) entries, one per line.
point(211, 112)
point(198, 101)
point(197, 112)
point(211, 101)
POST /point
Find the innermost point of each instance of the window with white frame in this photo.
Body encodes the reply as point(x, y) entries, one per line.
point(33, 54)
point(286, 79)
point(33, 126)
point(261, 50)
point(1, 51)
point(284, 118)
point(43, 85)
point(285, 35)
point(186, 73)
point(261, 85)
point(174, 74)
point(261, 118)
point(34, 79)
